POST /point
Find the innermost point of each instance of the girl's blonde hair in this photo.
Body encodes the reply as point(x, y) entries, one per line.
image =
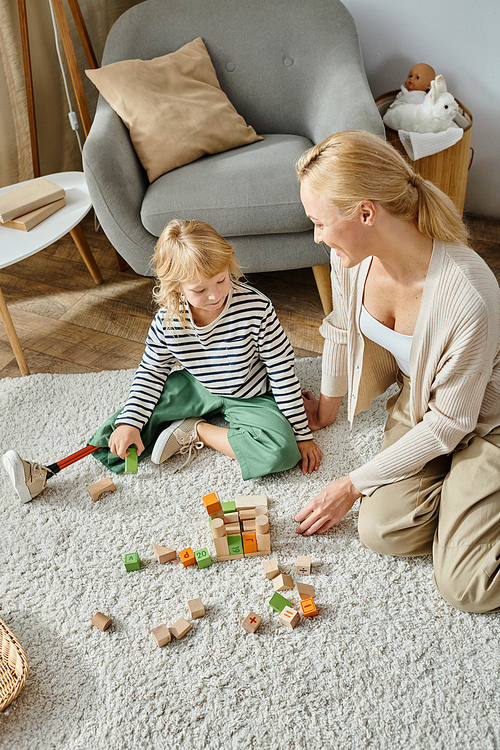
point(350, 167)
point(188, 251)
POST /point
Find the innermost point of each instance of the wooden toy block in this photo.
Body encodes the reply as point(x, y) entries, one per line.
point(203, 559)
point(131, 461)
point(101, 621)
point(251, 622)
point(304, 565)
point(196, 608)
point(262, 524)
point(261, 510)
point(232, 517)
point(219, 514)
point(164, 554)
point(103, 485)
point(250, 501)
point(132, 561)
point(232, 528)
point(305, 591)
point(258, 553)
point(247, 514)
point(289, 617)
point(235, 544)
point(278, 602)
point(282, 582)
point(180, 628)
point(212, 503)
point(229, 507)
point(187, 557)
point(249, 543)
point(161, 634)
point(264, 543)
point(221, 546)
point(218, 528)
point(270, 568)
point(249, 526)
point(223, 558)
point(309, 607)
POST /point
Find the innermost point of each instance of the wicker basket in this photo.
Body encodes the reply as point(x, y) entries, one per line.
point(13, 666)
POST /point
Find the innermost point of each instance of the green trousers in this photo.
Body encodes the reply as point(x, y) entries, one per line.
point(259, 434)
point(450, 509)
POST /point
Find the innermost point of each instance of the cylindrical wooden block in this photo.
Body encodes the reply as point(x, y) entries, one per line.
point(262, 524)
point(101, 621)
point(447, 169)
point(218, 528)
point(260, 510)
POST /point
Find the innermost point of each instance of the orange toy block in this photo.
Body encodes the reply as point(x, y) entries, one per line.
point(161, 634)
point(251, 622)
point(103, 485)
point(249, 543)
point(187, 557)
point(212, 503)
point(180, 628)
point(308, 607)
point(164, 554)
point(101, 621)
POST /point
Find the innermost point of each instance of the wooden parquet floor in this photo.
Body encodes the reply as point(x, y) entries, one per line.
point(67, 324)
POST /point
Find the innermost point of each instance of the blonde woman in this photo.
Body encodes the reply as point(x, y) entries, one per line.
point(412, 304)
point(236, 361)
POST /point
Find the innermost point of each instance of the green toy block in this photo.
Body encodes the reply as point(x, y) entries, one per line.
point(132, 561)
point(278, 602)
point(235, 544)
point(131, 461)
point(228, 507)
point(203, 558)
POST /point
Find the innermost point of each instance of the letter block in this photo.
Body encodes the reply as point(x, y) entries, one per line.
point(304, 565)
point(249, 542)
point(212, 503)
point(187, 557)
point(132, 561)
point(203, 558)
point(251, 622)
point(309, 607)
point(289, 617)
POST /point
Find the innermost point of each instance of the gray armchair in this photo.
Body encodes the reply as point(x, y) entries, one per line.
point(293, 70)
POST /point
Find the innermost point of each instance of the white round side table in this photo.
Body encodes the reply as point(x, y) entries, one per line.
point(16, 245)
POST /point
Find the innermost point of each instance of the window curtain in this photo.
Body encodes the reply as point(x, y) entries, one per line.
point(57, 144)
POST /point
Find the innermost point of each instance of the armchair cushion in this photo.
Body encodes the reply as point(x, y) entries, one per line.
point(173, 107)
point(247, 191)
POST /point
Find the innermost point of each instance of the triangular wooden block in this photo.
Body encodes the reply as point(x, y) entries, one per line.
point(164, 554)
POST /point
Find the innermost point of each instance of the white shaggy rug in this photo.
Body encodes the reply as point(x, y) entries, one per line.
point(386, 664)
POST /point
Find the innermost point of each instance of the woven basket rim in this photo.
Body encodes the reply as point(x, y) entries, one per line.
point(13, 666)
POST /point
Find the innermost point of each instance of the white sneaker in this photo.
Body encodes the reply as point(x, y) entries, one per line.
point(28, 477)
point(179, 437)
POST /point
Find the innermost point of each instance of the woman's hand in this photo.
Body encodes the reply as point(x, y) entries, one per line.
point(327, 508)
point(122, 438)
point(311, 456)
point(320, 413)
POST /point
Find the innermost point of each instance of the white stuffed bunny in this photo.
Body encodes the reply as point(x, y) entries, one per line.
point(434, 115)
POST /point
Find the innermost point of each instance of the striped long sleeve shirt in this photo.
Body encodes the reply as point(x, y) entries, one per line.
point(241, 354)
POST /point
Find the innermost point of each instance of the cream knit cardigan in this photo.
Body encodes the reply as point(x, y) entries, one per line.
point(454, 361)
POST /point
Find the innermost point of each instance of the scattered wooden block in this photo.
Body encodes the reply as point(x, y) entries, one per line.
point(251, 622)
point(164, 554)
point(270, 568)
point(131, 461)
point(289, 617)
point(305, 591)
point(187, 557)
point(132, 561)
point(282, 582)
point(304, 565)
point(103, 485)
point(161, 634)
point(212, 503)
point(202, 557)
point(278, 602)
point(101, 621)
point(309, 607)
point(180, 628)
point(196, 608)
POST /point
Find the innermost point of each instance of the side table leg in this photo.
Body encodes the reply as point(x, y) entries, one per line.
point(12, 336)
point(81, 242)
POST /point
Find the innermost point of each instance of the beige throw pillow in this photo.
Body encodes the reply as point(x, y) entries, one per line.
point(173, 107)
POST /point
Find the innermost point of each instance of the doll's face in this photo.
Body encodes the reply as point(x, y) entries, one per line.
point(420, 77)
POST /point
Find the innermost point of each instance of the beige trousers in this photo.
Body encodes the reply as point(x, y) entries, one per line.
point(451, 509)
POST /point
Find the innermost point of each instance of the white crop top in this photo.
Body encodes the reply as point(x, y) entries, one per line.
point(398, 344)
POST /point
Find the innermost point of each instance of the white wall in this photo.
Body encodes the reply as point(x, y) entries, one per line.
point(461, 40)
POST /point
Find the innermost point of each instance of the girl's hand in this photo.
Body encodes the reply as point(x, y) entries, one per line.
point(122, 438)
point(311, 456)
point(327, 508)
